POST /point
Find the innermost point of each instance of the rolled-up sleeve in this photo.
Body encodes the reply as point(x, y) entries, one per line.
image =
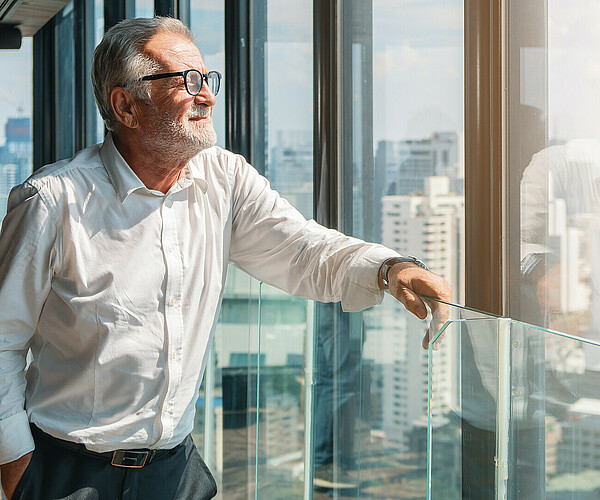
point(28, 250)
point(273, 242)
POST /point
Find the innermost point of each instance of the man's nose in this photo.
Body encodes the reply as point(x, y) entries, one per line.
point(205, 96)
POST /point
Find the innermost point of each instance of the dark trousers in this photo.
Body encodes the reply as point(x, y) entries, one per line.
point(56, 472)
point(336, 388)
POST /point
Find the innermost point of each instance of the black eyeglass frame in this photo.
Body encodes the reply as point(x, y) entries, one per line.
point(204, 78)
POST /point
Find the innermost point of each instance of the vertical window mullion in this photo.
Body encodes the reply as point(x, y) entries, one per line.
point(326, 138)
point(237, 55)
point(179, 9)
point(44, 106)
point(85, 107)
point(117, 10)
point(485, 185)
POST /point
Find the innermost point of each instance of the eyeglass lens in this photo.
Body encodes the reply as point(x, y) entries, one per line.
point(193, 80)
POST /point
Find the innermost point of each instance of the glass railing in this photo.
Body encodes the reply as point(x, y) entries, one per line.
point(342, 401)
point(303, 401)
point(514, 411)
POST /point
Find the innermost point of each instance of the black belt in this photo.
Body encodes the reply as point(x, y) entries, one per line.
point(131, 459)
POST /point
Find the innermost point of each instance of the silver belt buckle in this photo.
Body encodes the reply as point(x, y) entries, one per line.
point(130, 459)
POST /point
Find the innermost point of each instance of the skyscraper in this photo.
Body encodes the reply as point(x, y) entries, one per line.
point(15, 157)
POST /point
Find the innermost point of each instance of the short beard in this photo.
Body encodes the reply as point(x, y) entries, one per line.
point(180, 141)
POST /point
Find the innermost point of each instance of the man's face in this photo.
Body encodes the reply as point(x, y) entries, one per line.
point(177, 122)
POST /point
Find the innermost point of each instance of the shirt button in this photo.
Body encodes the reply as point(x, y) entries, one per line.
point(516, 344)
point(171, 248)
point(517, 392)
point(173, 301)
point(175, 354)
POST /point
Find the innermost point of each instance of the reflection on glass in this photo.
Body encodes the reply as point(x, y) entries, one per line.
point(513, 412)
point(283, 33)
point(559, 169)
point(556, 167)
point(407, 192)
point(15, 119)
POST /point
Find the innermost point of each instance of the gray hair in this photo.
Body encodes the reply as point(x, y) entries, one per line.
point(119, 60)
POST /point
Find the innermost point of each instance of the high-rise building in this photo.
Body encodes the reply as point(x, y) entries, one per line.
point(428, 224)
point(406, 164)
point(401, 167)
point(291, 168)
point(15, 157)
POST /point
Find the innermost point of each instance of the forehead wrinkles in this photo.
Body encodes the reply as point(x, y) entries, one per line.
point(174, 53)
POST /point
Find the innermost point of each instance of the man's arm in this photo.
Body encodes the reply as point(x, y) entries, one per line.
point(28, 243)
point(274, 243)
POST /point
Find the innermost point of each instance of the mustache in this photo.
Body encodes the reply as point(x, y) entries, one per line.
point(198, 111)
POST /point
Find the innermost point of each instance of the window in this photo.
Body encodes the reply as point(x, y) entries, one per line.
point(408, 165)
point(16, 91)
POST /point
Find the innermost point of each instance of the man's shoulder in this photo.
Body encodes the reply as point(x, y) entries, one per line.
point(216, 159)
point(218, 154)
point(81, 165)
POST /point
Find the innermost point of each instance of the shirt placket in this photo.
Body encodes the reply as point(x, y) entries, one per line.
point(173, 315)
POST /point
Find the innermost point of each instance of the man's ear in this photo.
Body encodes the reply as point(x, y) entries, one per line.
point(124, 107)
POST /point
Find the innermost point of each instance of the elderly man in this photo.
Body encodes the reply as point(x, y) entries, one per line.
point(112, 272)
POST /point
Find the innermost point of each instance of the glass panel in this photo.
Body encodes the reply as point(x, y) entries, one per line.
point(463, 374)
point(280, 446)
point(283, 136)
point(231, 386)
point(403, 187)
point(289, 100)
point(513, 412)
point(15, 119)
point(555, 164)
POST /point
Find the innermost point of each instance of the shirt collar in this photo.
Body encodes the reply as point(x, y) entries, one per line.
point(122, 177)
point(125, 181)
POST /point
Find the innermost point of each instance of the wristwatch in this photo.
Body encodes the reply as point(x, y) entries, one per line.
point(387, 265)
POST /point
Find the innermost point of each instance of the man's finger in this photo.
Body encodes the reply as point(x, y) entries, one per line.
point(411, 301)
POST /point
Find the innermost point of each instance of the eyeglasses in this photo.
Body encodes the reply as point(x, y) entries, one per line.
point(193, 79)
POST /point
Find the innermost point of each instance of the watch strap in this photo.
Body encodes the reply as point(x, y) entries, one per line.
point(387, 265)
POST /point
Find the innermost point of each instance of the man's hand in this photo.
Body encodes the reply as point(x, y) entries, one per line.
point(407, 281)
point(12, 472)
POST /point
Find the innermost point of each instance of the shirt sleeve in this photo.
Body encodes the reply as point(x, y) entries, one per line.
point(28, 246)
point(273, 242)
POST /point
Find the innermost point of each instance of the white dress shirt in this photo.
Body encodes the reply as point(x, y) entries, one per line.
point(117, 288)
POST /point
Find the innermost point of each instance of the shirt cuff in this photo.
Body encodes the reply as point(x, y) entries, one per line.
point(361, 286)
point(15, 437)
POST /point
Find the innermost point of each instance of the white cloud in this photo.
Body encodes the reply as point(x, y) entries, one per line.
point(395, 59)
point(289, 21)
